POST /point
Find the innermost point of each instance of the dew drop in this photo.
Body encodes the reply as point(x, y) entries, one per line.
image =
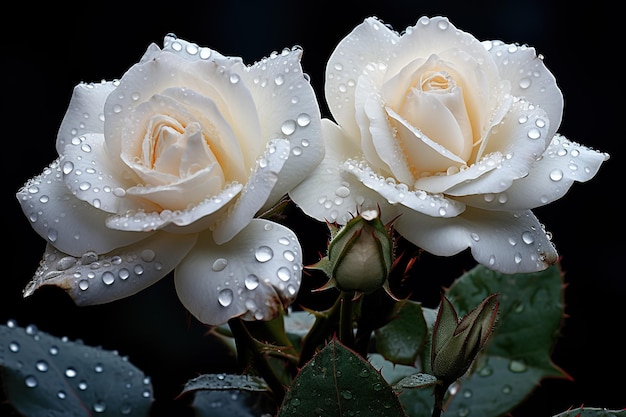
point(288, 127)
point(534, 133)
point(108, 278)
point(264, 254)
point(524, 83)
point(42, 366)
point(289, 255)
point(507, 389)
point(219, 264)
point(527, 237)
point(14, 347)
point(347, 395)
point(70, 372)
point(31, 381)
point(303, 119)
point(99, 406)
point(518, 366)
point(61, 395)
point(225, 297)
point(485, 371)
point(83, 284)
point(284, 274)
point(148, 255)
point(556, 175)
point(251, 282)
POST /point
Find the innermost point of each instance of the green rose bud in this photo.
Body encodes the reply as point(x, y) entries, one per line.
point(456, 344)
point(360, 255)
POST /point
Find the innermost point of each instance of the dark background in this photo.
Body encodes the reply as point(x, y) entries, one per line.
point(53, 47)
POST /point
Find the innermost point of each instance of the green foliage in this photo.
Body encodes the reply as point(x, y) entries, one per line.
point(401, 340)
point(338, 382)
point(52, 377)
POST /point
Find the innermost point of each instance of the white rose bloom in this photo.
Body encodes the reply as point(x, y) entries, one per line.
point(455, 136)
point(166, 168)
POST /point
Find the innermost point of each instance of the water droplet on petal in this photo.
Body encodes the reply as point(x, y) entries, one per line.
point(225, 297)
point(264, 254)
point(219, 264)
point(251, 281)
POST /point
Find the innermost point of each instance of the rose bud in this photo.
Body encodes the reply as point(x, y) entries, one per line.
point(456, 343)
point(360, 254)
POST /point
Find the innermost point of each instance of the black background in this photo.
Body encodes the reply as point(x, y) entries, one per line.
point(53, 47)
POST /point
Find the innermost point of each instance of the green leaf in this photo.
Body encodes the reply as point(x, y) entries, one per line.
point(592, 412)
point(227, 404)
point(48, 376)
point(518, 356)
point(401, 340)
point(338, 382)
point(225, 382)
point(419, 380)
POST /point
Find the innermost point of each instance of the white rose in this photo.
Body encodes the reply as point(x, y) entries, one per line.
point(456, 136)
point(166, 168)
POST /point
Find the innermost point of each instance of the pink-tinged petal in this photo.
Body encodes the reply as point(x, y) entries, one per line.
point(552, 175)
point(85, 113)
point(191, 220)
point(288, 109)
point(255, 193)
point(71, 225)
point(520, 245)
point(92, 176)
point(253, 276)
point(529, 78)
point(511, 150)
point(436, 205)
point(364, 51)
point(331, 194)
point(97, 279)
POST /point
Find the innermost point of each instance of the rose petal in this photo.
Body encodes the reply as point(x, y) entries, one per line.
point(204, 77)
point(520, 245)
point(529, 78)
point(331, 194)
point(510, 152)
point(190, 220)
point(364, 51)
point(189, 50)
point(91, 279)
point(253, 276)
point(286, 103)
point(71, 225)
point(424, 155)
point(435, 35)
point(255, 193)
point(92, 176)
point(563, 163)
point(84, 113)
point(435, 205)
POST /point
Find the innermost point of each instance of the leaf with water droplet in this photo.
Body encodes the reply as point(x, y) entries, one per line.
point(225, 382)
point(339, 382)
point(402, 339)
point(45, 375)
point(518, 356)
